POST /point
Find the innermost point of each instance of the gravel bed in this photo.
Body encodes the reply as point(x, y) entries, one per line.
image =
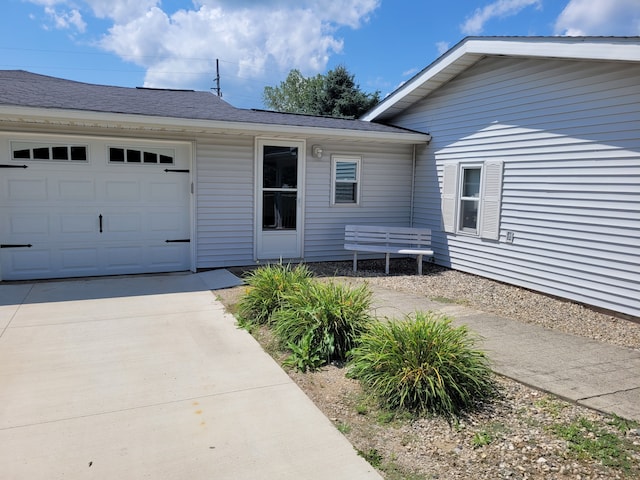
point(440, 283)
point(510, 438)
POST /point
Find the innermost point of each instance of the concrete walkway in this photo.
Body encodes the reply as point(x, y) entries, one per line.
point(147, 377)
point(587, 372)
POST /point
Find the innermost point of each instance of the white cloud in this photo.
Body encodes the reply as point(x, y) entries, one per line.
point(442, 47)
point(253, 37)
point(121, 11)
point(411, 72)
point(350, 13)
point(66, 20)
point(474, 24)
point(599, 17)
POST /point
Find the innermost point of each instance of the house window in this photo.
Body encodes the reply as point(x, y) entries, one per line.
point(279, 187)
point(45, 152)
point(471, 198)
point(137, 156)
point(345, 183)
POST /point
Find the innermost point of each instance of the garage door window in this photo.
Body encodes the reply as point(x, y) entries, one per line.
point(139, 156)
point(39, 151)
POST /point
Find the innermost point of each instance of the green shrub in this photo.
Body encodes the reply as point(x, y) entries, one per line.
point(305, 355)
point(330, 316)
point(422, 364)
point(266, 289)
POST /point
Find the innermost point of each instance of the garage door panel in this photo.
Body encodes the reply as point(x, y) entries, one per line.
point(163, 257)
point(22, 189)
point(79, 190)
point(164, 192)
point(27, 263)
point(28, 224)
point(166, 223)
point(79, 261)
point(124, 256)
point(123, 223)
point(74, 224)
point(122, 191)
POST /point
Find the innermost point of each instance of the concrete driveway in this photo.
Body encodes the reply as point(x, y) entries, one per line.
point(147, 377)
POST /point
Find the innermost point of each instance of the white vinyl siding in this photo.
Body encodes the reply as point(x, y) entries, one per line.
point(567, 134)
point(225, 198)
point(385, 196)
point(225, 201)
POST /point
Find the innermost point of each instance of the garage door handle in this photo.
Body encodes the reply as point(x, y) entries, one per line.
point(15, 245)
point(100, 219)
point(13, 166)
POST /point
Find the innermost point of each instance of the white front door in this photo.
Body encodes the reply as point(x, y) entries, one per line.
point(86, 207)
point(279, 185)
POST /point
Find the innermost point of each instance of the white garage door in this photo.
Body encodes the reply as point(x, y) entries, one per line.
point(83, 208)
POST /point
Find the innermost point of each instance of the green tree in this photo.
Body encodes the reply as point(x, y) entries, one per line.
point(297, 94)
point(335, 94)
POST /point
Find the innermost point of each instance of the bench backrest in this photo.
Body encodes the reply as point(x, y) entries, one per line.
point(376, 235)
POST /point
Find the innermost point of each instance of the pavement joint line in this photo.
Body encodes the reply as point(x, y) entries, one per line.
point(140, 407)
point(17, 308)
point(607, 394)
point(74, 322)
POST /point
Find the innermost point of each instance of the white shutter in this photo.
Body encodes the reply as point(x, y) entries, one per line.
point(491, 200)
point(449, 194)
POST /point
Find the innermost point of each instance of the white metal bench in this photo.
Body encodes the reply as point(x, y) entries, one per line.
point(388, 240)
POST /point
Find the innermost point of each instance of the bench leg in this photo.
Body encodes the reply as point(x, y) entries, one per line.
point(386, 263)
point(355, 261)
point(419, 264)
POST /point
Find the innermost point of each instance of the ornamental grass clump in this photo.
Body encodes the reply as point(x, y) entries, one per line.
point(266, 290)
point(326, 318)
point(422, 364)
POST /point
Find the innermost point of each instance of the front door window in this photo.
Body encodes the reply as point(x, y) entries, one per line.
point(279, 187)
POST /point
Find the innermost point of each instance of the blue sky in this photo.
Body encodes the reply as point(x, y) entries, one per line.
point(174, 43)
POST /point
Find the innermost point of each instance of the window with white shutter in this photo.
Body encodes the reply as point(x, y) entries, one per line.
point(449, 196)
point(491, 200)
point(471, 198)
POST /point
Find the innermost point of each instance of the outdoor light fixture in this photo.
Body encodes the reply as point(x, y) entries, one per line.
point(316, 151)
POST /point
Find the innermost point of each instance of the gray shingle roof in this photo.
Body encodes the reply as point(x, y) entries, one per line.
point(26, 89)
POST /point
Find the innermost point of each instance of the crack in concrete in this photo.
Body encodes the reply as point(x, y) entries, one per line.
point(150, 405)
point(18, 305)
point(609, 393)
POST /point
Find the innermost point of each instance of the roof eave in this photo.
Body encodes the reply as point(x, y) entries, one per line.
point(472, 49)
point(81, 118)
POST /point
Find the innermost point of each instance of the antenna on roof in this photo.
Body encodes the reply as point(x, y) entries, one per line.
point(217, 87)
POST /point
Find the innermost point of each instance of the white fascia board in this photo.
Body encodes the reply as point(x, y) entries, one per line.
point(111, 120)
point(569, 48)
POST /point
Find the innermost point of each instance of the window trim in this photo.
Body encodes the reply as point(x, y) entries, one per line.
point(460, 198)
point(142, 152)
point(51, 148)
point(335, 159)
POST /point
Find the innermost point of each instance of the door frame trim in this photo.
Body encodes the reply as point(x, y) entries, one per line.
point(257, 202)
